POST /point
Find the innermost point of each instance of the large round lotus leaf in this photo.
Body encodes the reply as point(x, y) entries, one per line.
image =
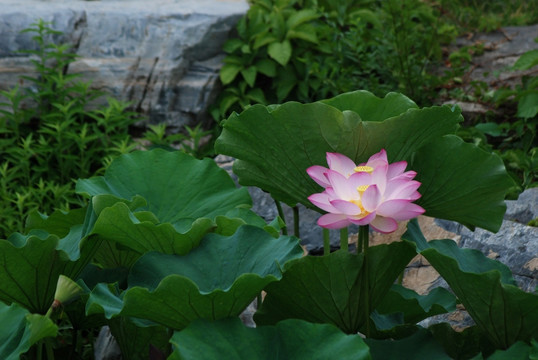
point(289, 339)
point(462, 183)
point(20, 330)
point(275, 147)
point(176, 186)
point(340, 289)
point(217, 279)
point(370, 107)
point(419, 346)
point(485, 287)
point(31, 264)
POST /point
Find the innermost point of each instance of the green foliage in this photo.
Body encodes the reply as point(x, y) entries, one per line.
point(357, 125)
point(310, 50)
point(289, 339)
point(48, 136)
point(473, 15)
point(196, 142)
point(20, 330)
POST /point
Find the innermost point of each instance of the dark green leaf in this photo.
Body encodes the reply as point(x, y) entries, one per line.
point(228, 72)
point(20, 330)
point(274, 148)
point(217, 279)
point(419, 346)
point(289, 339)
point(504, 313)
point(527, 60)
point(280, 51)
point(177, 187)
point(462, 183)
point(332, 289)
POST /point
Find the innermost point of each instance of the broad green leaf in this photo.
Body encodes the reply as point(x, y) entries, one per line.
point(118, 224)
point(249, 74)
point(135, 340)
point(415, 307)
point(31, 264)
point(518, 351)
point(274, 148)
point(527, 60)
point(266, 67)
point(217, 279)
point(289, 339)
point(228, 72)
point(58, 223)
point(527, 106)
point(300, 17)
point(459, 345)
point(418, 346)
point(231, 45)
point(305, 32)
point(29, 273)
point(341, 289)
point(286, 80)
point(20, 330)
point(280, 51)
point(177, 187)
point(370, 107)
point(503, 312)
point(462, 183)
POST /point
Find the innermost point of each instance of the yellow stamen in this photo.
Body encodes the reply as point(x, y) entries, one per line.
point(367, 169)
point(361, 189)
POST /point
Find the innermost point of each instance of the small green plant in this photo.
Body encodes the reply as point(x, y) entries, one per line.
point(48, 136)
point(196, 142)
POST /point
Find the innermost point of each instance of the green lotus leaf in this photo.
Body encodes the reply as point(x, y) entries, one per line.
point(117, 224)
point(177, 187)
point(461, 344)
point(58, 223)
point(462, 183)
point(518, 351)
point(20, 330)
point(275, 145)
point(395, 317)
point(332, 289)
point(415, 307)
point(420, 345)
point(289, 339)
point(370, 107)
point(127, 235)
point(504, 313)
point(31, 264)
point(137, 341)
point(217, 279)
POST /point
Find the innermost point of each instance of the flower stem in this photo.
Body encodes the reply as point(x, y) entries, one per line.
point(326, 242)
point(296, 221)
point(48, 348)
point(363, 236)
point(281, 215)
point(343, 239)
point(362, 242)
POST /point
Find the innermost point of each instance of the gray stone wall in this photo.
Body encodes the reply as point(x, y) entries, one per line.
point(163, 56)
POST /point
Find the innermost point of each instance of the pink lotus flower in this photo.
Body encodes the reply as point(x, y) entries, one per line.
point(375, 193)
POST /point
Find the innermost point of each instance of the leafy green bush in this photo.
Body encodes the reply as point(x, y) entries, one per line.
point(48, 136)
point(308, 50)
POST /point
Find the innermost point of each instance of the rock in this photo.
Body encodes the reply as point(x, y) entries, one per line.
point(515, 245)
point(525, 208)
point(162, 56)
point(106, 346)
point(502, 48)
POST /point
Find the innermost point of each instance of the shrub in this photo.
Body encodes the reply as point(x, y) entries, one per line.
point(55, 139)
